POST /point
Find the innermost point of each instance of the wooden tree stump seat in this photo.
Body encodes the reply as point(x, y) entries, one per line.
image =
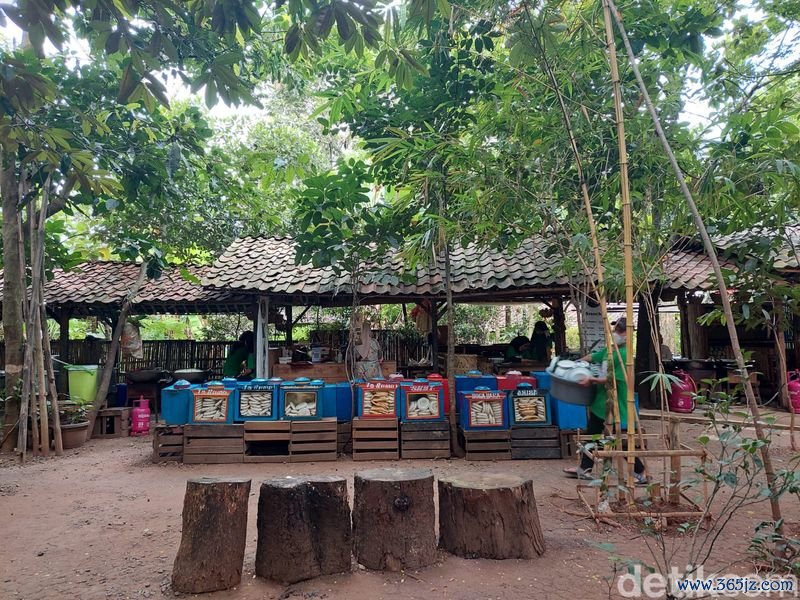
point(211, 554)
point(489, 515)
point(303, 528)
point(394, 519)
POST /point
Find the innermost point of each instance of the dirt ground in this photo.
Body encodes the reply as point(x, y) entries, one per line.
point(104, 522)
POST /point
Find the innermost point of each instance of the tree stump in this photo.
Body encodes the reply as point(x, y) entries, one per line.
point(485, 515)
point(211, 554)
point(303, 528)
point(394, 519)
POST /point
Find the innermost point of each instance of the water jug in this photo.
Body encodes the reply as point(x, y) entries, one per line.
point(681, 397)
point(793, 378)
point(140, 416)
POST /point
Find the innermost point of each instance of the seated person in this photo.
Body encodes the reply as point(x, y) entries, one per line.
point(541, 344)
point(241, 360)
point(517, 348)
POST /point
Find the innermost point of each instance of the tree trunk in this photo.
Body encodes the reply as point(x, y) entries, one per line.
point(303, 528)
point(52, 389)
point(455, 445)
point(394, 519)
point(486, 515)
point(113, 348)
point(13, 294)
point(758, 425)
point(211, 554)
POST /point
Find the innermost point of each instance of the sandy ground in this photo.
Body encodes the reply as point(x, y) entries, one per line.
point(104, 522)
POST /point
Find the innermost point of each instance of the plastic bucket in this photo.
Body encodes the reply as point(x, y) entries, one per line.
point(571, 392)
point(82, 382)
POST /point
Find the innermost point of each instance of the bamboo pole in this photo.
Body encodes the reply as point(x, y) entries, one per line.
point(51, 378)
point(598, 281)
point(774, 485)
point(627, 235)
point(37, 245)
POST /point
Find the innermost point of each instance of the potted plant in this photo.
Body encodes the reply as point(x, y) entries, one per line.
point(74, 424)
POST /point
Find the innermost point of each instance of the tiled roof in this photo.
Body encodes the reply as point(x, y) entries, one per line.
point(687, 270)
point(785, 239)
point(97, 287)
point(266, 265)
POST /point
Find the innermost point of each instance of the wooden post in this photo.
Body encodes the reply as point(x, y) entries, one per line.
point(394, 519)
point(211, 554)
point(686, 347)
point(63, 347)
point(489, 515)
point(674, 434)
point(559, 326)
point(262, 338)
point(303, 528)
point(434, 340)
point(289, 327)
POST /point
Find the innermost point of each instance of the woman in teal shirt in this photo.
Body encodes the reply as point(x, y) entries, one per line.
point(241, 360)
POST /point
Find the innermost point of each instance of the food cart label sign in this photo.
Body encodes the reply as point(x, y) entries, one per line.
point(488, 396)
point(528, 393)
point(378, 386)
point(425, 389)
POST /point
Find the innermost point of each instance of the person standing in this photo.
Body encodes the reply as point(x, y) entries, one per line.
point(597, 409)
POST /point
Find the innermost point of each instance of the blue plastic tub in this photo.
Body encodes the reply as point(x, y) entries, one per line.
point(574, 416)
point(344, 401)
point(473, 380)
point(175, 405)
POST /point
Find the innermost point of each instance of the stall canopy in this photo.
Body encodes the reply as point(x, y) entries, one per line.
point(98, 288)
point(266, 266)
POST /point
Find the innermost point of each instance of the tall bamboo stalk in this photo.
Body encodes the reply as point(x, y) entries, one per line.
point(766, 458)
point(627, 234)
point(597, 282)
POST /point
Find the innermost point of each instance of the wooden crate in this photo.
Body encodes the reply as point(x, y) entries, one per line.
point(535, 442)
point(112, 423)
point(267, 441)
point(487, 445)
point(375, 439)
point(203, 444)
point(569, 443)
point(344, 438)
point(313, 440)
point(168, 444)
point(428, 439)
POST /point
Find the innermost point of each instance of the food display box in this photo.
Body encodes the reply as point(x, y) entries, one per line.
point(421, 401)
point(302, 399)
point(483, 409)
point(377, 399)
point(212, 404)
point(257, 400)
point(529, 406)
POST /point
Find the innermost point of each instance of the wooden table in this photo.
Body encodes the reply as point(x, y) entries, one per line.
point(330, 372)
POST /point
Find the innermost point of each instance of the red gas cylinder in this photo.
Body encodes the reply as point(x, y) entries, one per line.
point(681, 397)
point(511, 380)
point(793, 378)
point(140, 416)
point(435, 377)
